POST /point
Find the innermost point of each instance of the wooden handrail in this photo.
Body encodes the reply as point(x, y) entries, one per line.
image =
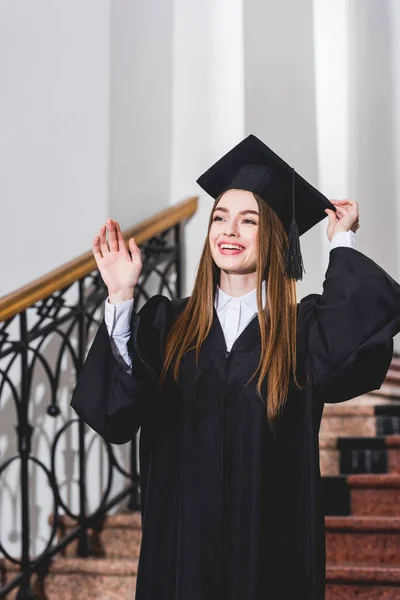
point(79, 267)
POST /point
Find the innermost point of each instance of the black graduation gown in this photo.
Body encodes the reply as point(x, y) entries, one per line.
point(229, 513)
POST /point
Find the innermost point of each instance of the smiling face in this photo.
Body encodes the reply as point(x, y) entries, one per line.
point(233, 234)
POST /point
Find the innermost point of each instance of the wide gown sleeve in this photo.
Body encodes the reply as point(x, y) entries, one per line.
point(108, 398)
point(346, 334)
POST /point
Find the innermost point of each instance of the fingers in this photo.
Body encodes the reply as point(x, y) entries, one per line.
point(341, 212)
point(120, 238)
point(112, 235)
point(103, 241)
point(348, 211)
point(116, 242)
point(348, 205)
point(331, 215)
point(133, 247)
point(115, 238)
point(96, 248)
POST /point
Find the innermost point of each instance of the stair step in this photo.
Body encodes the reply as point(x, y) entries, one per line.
point(364, 582)
point(395, 364)
point(347, 455)
point(360, 417)
point(85, 579)
point(393, 377)
point(120, 537)
point(375, 494)
point(388, 391)
point(368, 540)
point(364, 495)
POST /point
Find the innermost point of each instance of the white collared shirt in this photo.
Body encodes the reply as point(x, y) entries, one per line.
point(234, 313)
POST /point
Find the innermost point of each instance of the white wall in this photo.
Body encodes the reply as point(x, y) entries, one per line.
point(394, 29)
point(54, 122)
point(140, 108)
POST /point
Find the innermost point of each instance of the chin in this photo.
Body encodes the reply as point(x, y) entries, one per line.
point(232, 269)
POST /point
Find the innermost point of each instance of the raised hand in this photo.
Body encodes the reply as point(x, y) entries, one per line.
point(119, 269)
point(346, 217)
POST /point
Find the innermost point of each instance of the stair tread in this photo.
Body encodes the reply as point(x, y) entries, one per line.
point(374, 480)
point(365, 573)
point(360, 406)
point(121, 520)
point(95, 566)
point(85, 565)
point(362, 523)
point(395, 364)
point(331, 441)
point(393, 376)
point(388, 391)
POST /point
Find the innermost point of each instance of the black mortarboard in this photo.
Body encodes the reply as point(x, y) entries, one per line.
point(254, 167)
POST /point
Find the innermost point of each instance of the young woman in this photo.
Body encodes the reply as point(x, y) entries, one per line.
point(228, 385)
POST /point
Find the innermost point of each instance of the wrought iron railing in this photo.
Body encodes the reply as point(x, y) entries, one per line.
point(45, 331)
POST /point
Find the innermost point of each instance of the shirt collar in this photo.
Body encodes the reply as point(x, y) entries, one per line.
point(249, 300)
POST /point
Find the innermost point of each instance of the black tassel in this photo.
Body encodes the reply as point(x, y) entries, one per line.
point(294, 267)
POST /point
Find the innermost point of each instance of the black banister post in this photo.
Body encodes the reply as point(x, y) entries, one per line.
point(24, 431)
point(83, 543)
point(178, 242)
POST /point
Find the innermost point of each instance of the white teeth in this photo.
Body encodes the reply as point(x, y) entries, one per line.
point(231, 247)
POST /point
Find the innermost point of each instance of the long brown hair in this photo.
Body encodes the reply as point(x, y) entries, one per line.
point(277, 320)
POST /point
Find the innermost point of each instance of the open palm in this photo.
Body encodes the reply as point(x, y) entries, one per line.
point(119, 269)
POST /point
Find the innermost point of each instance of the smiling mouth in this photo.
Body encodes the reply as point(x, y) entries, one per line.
point(230, 248)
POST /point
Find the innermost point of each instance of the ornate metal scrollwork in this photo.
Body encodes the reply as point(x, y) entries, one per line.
point(42, 350)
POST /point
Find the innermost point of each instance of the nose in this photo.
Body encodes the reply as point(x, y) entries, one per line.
point(230, 229)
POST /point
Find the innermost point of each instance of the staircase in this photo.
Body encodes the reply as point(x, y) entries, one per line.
point(360, 464)
point(110, 575)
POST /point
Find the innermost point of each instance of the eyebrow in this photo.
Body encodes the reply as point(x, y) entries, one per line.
point(241, 212)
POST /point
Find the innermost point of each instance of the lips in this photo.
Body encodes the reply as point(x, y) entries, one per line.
point(235, 250)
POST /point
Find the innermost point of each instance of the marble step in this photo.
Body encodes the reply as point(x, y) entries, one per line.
point(362, 582)
point(83, 579)
point(395, 364)
point(364, 416)
point(363, 540)
point(393, 377)
point(362, 495)
point(119, 538)
point(375, 494)
point(346, 455)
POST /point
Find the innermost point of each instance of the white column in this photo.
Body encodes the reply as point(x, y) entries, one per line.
point(372, 165)
point(280, 98)
point(332, 100)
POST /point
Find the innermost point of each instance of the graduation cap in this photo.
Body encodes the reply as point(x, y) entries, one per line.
point(254, 167)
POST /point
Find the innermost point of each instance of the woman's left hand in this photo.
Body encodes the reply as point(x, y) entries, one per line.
point(346, 217)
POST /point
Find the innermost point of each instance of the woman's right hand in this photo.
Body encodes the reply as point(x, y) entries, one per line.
point(119, 270)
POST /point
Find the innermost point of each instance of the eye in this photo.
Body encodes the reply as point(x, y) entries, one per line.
point(216, 218)
point(249, 221)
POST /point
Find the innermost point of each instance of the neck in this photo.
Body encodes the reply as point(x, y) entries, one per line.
point(237, 284)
